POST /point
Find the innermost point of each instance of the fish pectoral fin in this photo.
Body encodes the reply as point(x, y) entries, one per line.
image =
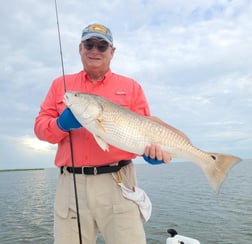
point(102, 144)
point(100, 125)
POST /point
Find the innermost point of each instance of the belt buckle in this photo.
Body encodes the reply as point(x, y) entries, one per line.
point(94, 172)
point(82, 170)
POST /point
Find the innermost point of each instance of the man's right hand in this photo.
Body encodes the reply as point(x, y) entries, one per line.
point(66, 121)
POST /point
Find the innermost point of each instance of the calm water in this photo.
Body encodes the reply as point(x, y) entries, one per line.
point(180, 195)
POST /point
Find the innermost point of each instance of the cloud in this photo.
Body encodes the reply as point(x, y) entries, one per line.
point(25, 152)
point(34, 144)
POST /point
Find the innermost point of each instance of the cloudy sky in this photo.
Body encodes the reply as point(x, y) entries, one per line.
point(193, 59)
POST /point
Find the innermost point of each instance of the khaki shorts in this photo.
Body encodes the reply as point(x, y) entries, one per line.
point(102, 209)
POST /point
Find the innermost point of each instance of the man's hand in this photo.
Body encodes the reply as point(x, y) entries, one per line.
point(66, 121)
point(154, 155)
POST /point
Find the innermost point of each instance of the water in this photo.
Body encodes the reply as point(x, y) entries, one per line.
point(179, 192)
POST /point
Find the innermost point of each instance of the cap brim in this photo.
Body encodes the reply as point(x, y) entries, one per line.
point(95, 35)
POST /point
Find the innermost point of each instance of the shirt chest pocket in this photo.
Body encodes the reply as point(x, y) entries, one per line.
point(122, 100)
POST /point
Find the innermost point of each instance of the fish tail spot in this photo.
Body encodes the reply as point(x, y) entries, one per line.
point(213, 157)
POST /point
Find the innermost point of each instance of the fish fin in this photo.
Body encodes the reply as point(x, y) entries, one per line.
point(161, 122)
point(100, 125)
point(102, 144)
point(217, 168)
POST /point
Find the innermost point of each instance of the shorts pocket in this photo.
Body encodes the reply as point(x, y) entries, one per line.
point(127, 207)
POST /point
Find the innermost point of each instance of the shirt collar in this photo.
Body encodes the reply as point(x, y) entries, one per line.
point(104, 80)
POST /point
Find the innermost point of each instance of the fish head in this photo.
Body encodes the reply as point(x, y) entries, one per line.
point(84, 106)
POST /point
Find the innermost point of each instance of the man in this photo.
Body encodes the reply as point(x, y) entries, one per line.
point(101, 203)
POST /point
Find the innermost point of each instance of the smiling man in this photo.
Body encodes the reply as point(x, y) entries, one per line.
point(101, 202)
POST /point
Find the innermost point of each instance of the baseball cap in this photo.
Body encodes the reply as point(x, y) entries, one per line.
point(97, 31)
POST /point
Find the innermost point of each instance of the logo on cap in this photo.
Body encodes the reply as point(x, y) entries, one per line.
point(97, 31)
point(98, 28)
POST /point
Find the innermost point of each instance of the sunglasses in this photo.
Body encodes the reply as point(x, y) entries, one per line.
point(101, 46)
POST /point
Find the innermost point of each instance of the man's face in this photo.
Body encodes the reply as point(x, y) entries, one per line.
point(96, 54)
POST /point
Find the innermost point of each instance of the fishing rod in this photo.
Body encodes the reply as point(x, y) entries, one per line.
point(69, 133)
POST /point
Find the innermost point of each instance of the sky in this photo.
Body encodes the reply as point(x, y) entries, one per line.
point(192, 58)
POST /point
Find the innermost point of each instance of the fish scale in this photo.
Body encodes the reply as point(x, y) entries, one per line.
point(140, 130)
point(114, 125)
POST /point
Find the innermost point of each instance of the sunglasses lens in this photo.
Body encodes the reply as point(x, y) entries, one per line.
point(102, 46)
point(88, 46)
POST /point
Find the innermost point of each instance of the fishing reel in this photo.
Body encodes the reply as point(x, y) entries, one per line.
point(178, 239)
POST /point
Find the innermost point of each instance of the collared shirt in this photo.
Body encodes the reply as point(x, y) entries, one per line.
point(119, 89)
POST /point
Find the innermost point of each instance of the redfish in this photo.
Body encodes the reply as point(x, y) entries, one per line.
point(115, 125)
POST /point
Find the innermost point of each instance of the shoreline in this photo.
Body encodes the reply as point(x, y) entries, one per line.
point(10, 170)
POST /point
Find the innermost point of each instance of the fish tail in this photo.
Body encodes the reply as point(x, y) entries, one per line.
point(217, 168)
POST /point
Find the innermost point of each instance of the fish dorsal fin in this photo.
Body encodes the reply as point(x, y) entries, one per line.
point(159, 121)
point(102, 144)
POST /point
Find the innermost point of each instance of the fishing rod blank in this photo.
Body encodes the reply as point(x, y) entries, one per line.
point(70, 135)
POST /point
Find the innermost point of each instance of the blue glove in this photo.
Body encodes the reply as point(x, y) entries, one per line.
point(152, 161)
point(66, 121)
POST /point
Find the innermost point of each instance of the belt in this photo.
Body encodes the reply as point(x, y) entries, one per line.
point(96, 170)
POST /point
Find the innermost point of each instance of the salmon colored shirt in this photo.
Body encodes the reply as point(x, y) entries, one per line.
point(119, 89)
